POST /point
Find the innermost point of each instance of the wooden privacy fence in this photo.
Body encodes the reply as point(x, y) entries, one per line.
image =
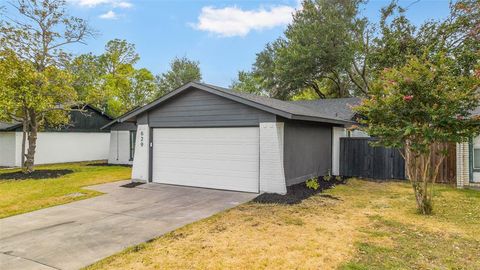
point(359, 159)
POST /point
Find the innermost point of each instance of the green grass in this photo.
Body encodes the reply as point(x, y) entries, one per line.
point(361, 225)
point(21, 196)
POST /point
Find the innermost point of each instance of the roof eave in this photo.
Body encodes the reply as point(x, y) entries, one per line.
point(321, 119)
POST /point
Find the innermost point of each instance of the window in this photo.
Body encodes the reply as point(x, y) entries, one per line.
point(476, 158)
point(133, 137)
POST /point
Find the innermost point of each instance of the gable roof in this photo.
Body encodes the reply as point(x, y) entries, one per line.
point(281, 108)
point(4, 126)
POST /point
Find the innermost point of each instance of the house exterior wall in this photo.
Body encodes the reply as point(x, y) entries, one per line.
point(60, 147)
point(119, 147)
point(7, 149)
point(56, 147)
point(197, 108)
point(307, 150)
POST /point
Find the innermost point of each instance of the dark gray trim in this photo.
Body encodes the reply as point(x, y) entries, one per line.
point(150, 154)
point(470, 160)
point(320, 119)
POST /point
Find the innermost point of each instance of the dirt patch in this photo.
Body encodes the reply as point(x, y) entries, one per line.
point(38, 174)
point(296, 193)
point(132, 184)
point(107, 165)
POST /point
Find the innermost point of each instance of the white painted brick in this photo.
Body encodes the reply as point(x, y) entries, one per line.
point(272, 173)
point(463, 175)
point(142, 151)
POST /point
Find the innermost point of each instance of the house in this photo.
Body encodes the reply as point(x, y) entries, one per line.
point(207, 136)
point(81, 140)
point(468, 161)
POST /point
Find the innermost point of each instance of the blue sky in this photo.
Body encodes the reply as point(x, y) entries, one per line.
point(223, 36)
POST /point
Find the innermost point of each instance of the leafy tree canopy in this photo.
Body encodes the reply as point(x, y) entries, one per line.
point(110, 81)
point(35, 87)
point(182, 70)
point(332, 50)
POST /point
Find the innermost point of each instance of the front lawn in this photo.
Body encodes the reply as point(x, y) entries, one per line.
point(20, 196)
point(361, 225)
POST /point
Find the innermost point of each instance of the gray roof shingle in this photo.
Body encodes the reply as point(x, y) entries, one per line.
point(335, 107)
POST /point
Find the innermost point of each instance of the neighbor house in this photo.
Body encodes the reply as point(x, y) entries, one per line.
point(468, 161)
point(207, 136)
point(80, 140)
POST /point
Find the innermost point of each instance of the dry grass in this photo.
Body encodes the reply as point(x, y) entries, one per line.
point(20, 196)
point(362, 225)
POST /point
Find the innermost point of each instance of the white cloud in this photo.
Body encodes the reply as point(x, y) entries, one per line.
point(123, 4)
point(234, 21)
point(94, 3)
point(110, 15)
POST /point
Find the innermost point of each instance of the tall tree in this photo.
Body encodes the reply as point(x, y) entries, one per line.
point(327, 41)
point(248, 82)
point(182, 70)
point(37, 32)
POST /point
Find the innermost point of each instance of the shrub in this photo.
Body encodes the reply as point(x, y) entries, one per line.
point(312, 183)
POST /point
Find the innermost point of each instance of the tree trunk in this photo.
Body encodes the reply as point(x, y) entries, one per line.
point(422, 173)
point(32, 143)
point(24, 139)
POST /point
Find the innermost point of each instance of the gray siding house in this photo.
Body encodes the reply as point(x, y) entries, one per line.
point(207, 136)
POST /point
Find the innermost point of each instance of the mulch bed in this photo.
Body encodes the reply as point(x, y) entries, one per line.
point(107, 165)
point(38, 174)
point(132, 184)
point(296, 193)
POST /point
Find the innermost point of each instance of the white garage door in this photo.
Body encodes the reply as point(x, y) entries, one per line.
point(221, 158)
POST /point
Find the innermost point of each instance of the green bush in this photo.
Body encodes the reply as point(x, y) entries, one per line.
point(312, 183)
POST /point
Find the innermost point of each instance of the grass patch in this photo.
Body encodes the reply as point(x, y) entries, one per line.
point(361, 225)
point(21, 196)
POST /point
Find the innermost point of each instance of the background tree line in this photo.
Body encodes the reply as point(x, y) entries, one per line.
point(331, 50)
point(112, 83)
point(41, 81)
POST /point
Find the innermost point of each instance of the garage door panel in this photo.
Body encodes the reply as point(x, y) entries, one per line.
point(241, 150)
point(223, 158)
point(219, 165)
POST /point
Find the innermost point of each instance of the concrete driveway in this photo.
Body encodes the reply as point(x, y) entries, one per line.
point(77, 234)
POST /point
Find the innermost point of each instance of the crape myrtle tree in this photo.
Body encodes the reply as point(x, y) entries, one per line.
point(417, 106)
point(426, 89)
point(33, 36)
